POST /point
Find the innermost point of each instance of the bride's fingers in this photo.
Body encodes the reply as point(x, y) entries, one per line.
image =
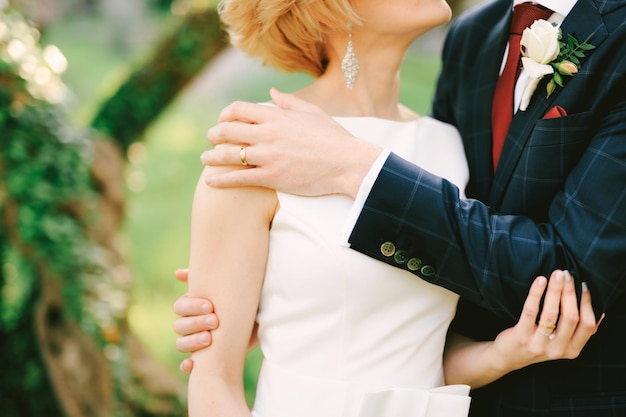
point(595, 329)
point(530, 310)
point(587, 315)
point(568, 313)
point(551, 305)
point(587, 325)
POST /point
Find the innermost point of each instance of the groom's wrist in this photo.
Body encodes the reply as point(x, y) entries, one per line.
point(361, 171)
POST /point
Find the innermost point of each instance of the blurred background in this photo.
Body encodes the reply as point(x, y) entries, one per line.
point(104, 108)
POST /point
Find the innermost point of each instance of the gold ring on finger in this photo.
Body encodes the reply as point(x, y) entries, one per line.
point(242, 156)
point(547, 326)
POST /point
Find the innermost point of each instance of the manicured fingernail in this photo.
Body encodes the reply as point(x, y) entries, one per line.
point(204, 338)
point(205, 308)
point(584, 287)
point(210, 322)
point(568, 276)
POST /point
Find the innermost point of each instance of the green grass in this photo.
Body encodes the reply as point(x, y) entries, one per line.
point(165, 166)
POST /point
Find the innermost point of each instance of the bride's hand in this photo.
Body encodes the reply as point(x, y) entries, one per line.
point(560, 331)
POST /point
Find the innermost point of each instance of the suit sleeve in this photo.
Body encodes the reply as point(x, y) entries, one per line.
point(491, 259)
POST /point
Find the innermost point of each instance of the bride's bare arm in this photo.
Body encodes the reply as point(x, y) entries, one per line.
point(535, 338)
point(228, 253)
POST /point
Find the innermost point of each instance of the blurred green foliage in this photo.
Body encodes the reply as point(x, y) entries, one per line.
point(44, 180)
point(161, 4)
point(45, 175)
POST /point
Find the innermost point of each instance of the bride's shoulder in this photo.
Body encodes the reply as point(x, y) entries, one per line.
point(233, 202)
point(439, 127)
point(407, 114)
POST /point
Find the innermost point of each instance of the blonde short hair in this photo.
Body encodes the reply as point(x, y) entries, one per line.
point(286, 34)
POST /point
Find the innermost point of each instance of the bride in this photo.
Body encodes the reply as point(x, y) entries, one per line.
point(341, 334)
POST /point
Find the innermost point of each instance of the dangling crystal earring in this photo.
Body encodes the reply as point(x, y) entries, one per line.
point(349, 63)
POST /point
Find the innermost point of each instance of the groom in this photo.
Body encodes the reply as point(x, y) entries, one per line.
point(553, 196)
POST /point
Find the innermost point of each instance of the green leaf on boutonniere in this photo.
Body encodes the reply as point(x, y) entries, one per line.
point(550, 87)
point(568, 60)
point(558, 78)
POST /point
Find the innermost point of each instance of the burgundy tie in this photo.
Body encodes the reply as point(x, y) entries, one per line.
point(524, 15)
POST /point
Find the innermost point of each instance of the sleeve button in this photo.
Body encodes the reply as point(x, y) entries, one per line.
point(401, 256)
point(387, 249)
point(428, 270)
point(414, 264)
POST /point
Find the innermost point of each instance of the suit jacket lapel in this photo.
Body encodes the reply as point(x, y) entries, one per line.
point(484, 78)
point(581, 22)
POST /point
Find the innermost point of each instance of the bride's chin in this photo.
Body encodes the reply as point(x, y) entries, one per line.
point(438, 14)
point(445, 13)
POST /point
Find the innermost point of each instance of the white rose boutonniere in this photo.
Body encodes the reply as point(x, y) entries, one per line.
point(544, 53)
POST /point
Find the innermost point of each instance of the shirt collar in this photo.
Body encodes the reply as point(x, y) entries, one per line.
point(562, 7)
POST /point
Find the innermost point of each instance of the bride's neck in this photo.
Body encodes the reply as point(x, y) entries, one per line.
point(375, 92)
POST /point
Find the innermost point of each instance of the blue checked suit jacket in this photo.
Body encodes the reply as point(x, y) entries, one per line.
point(557, 200)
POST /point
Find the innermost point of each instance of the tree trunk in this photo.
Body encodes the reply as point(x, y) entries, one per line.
point(149, 90)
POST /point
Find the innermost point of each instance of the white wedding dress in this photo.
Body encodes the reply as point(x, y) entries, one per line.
point(344, 335)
